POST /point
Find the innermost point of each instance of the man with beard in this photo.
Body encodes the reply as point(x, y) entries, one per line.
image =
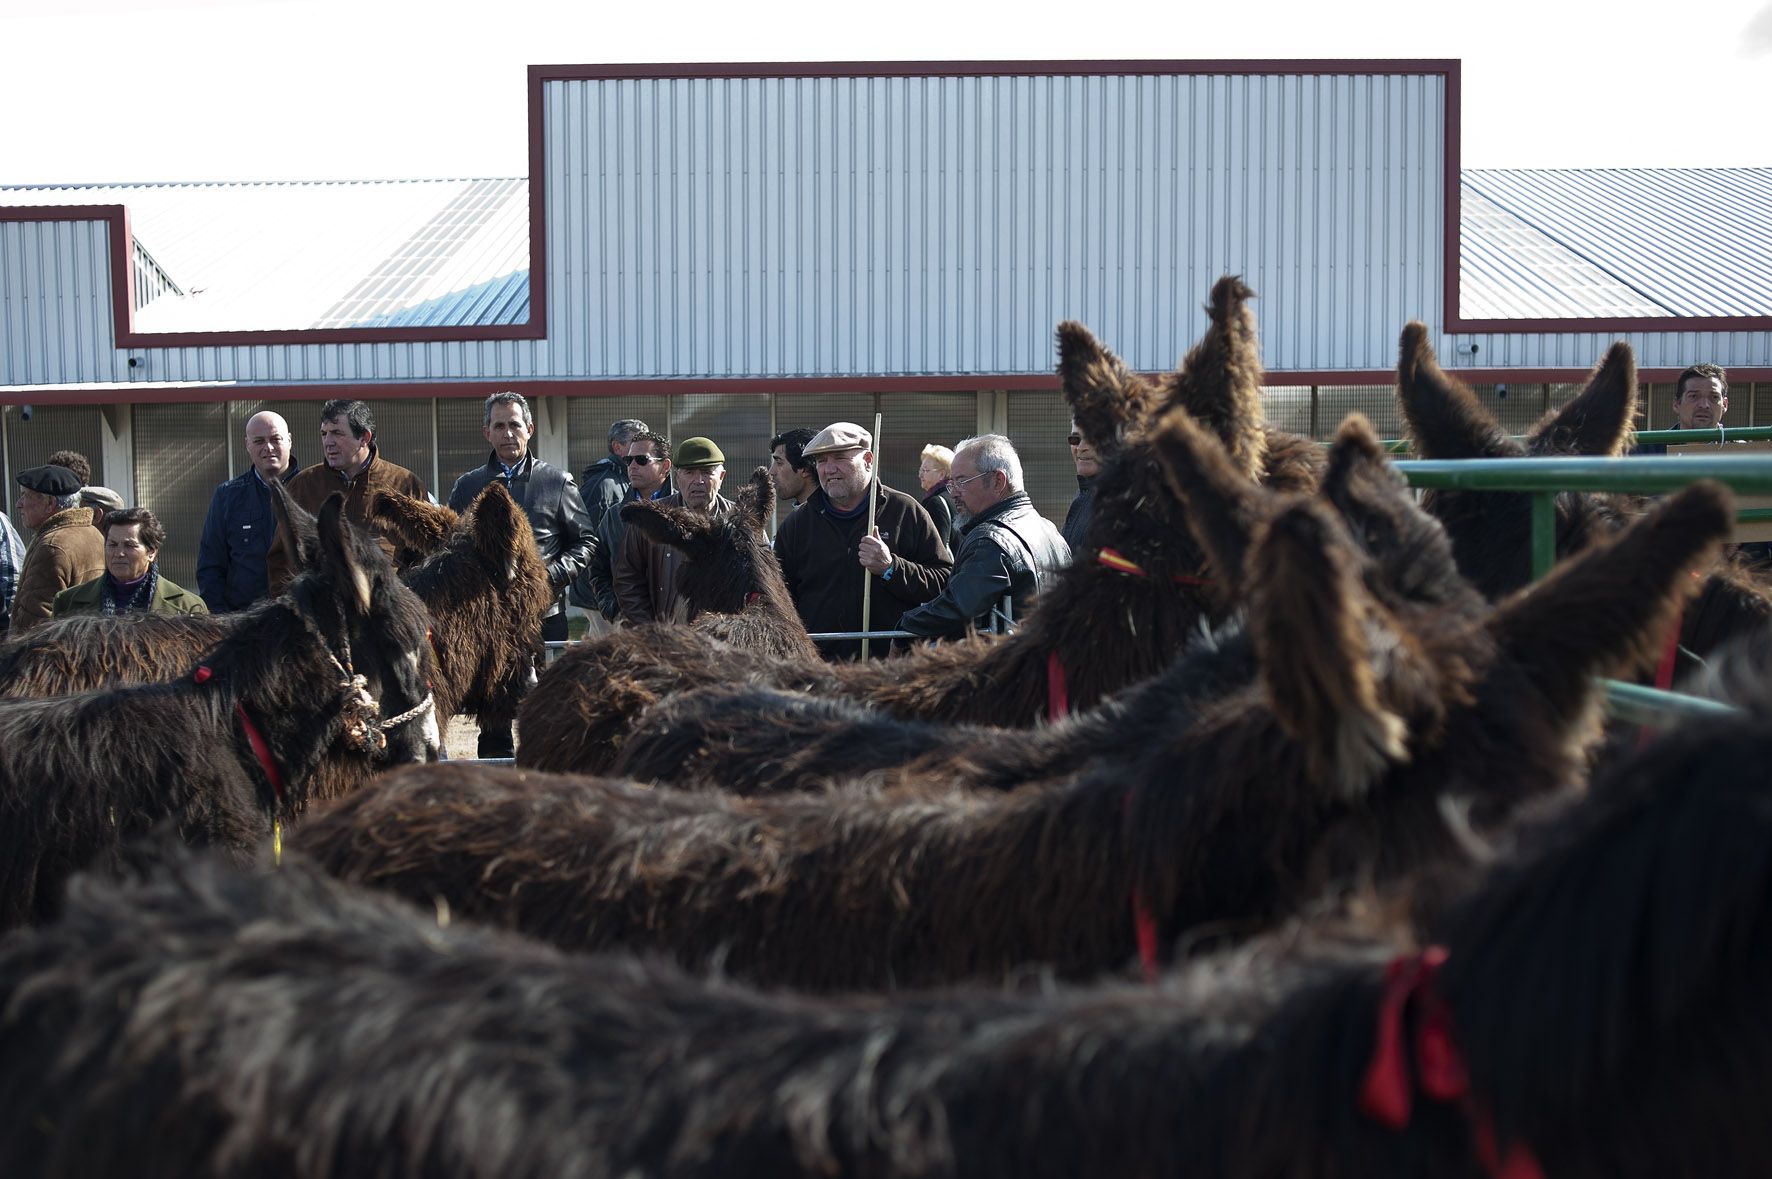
point(827, 555)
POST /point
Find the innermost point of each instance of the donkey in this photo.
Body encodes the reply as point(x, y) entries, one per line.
point(336, 671)
point(485, 591)
point(1140, 578)
point(1338, 763)
point(1594, 1008)
point(412, 529)
point(755, 740)
point(1490, 529)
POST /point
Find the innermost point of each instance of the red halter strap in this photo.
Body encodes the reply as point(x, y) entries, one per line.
point(1388, 1088)
point(1144, 922)
point(261, 748)
point(1120, 563)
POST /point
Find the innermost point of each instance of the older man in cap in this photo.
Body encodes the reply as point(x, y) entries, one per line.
point(827, 554)
point(645, 571)
point(66, 550)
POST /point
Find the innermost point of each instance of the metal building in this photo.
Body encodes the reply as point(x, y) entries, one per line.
point(734, 249)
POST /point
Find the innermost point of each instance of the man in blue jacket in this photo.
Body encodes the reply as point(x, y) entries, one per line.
point(238, 530)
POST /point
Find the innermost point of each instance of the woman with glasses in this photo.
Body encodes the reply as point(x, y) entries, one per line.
point(938, 501)
point(1076, 521)
point(131, 582)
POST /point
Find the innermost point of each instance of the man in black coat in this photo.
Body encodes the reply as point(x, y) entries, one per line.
point(563, 533)
point(1006, 548)
point(604, 483)
point(827, 556)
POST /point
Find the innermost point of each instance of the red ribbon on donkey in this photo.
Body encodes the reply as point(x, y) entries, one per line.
point(1388, 1090)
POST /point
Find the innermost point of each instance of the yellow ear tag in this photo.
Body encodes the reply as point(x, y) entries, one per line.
point(277, 842)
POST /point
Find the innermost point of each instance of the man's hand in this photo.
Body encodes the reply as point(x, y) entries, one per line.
point(875, 557)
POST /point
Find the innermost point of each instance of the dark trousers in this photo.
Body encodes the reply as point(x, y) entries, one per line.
point(495, 731)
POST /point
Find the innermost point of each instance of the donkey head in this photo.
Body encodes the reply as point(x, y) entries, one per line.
point(1490, 529)
point(413, 528)
point(375, 631)
point(1137, 513)
point(727, 562)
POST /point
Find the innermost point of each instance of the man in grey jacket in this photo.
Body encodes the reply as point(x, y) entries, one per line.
point(1006, 548)
point(549, 498)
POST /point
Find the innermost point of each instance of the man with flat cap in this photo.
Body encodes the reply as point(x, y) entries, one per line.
point(826, 554)
point(645, 571)
point(66, 550)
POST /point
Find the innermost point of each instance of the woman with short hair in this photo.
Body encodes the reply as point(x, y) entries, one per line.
point(131, 582)
point(938, 501)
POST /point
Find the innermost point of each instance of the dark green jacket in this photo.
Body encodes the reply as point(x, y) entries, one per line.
point(88, 598)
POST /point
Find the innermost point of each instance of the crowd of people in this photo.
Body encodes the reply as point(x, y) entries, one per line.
point(971, 549)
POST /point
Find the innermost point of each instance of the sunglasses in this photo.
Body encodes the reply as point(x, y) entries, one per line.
point(641, 460)
point(1075, 440)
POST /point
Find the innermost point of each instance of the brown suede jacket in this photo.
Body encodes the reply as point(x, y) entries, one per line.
point(67, 551)
point(312, 486)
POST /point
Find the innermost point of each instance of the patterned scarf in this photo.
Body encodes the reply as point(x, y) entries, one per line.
point(141, 599)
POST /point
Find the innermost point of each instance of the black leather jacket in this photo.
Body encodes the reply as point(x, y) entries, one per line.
point(563, 532)
point(1008, 549)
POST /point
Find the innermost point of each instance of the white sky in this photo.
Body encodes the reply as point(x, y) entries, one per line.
point(143, 90)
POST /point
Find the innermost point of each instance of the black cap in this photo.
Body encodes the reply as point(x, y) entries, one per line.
point(50, 479)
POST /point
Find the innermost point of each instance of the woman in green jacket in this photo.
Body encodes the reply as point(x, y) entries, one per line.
point(131, 582)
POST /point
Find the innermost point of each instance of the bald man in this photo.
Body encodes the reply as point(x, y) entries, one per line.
point(237, 533)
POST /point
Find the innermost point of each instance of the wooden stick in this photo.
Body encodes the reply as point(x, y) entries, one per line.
point(867, 583)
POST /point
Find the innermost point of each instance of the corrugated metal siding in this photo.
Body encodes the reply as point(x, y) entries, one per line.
point(1696, 241)
point(55, 304)
point(944, 225)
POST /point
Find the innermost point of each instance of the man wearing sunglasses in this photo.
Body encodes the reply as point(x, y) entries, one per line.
point(1076, 521)
point(645, 456)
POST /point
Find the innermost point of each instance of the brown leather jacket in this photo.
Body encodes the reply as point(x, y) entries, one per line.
point(311, 487)
point(66, 551)
point(645, 572)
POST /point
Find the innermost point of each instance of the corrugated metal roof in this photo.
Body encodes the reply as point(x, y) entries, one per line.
point(324, 255)
point(1601, 242)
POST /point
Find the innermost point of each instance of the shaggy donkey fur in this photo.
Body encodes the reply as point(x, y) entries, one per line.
point(1337, 764)
point(588, 701)
point(1491, 530)
point(1605, 989)
point(758, 740)
point(411, 529)
point(81, 774)
point(487, 583)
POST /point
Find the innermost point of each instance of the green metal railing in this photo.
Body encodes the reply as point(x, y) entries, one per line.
point(1646, 437)
point(1542, 478)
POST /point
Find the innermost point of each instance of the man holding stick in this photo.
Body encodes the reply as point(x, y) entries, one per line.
point(828, 555)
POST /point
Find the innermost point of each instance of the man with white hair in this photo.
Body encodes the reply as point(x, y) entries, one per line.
point(237, 533)
point(1006, 548)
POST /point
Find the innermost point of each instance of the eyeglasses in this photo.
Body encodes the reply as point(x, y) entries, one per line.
point(1075, 440)
point(641, 460)
point(969, 479)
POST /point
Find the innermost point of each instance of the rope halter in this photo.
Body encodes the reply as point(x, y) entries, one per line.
point(365, 729)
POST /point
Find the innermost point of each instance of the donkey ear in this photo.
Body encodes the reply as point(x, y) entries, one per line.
point(681, 527)
point(1222, 505)
point(756, 502)
point(1445, 419)
point(1610, 607)
point(339, 555)
point(1108, 401)
point(1219, 381)
point(1310, 618)
point(414, 528)
point(296, 533)
point(499, 528)
point(1599, 420)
